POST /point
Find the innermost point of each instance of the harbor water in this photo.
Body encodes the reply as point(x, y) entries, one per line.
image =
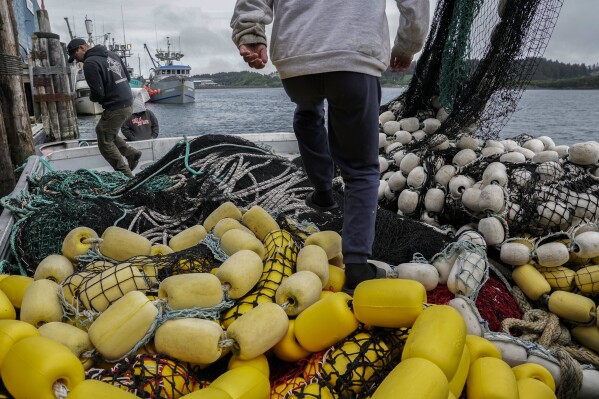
point(567, 116)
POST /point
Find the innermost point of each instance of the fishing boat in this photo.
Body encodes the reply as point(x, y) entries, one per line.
point(170, 83)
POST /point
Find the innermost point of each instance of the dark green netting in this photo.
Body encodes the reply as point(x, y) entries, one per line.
point(476, 63)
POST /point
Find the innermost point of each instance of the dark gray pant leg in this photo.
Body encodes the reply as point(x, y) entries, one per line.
point(110, 145)
point(354, 100)
point(309, 127)
point(352, 143)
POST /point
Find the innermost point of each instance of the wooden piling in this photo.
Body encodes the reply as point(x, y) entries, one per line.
point(52, 88)
point(17, 127)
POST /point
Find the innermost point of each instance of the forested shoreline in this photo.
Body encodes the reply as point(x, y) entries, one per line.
point(549, 74)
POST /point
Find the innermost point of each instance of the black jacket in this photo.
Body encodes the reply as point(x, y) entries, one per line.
point(140, 126)
point(108, 78)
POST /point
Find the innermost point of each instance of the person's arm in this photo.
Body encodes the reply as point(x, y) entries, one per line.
point(249, 35)
point(154, 123)
point(127, 130)
point(411, 33)
point(91, 71)
point(126, 71)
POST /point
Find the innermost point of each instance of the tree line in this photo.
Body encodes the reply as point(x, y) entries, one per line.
point(546, 71)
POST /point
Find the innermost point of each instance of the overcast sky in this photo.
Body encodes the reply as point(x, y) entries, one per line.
point(200, 29)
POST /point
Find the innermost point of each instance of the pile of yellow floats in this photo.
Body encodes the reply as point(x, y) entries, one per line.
point(279, 298)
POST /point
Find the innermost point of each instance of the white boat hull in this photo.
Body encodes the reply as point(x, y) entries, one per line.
point(84, 106)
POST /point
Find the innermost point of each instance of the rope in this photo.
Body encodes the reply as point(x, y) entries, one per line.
point(544, 328)
point(10, 65)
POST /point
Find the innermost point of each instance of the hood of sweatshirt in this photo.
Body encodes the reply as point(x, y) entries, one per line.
point(98, 50)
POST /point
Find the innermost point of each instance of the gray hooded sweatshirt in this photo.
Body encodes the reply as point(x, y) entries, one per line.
point(318, 36)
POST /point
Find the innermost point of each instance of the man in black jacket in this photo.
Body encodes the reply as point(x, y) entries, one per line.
point(108, 80)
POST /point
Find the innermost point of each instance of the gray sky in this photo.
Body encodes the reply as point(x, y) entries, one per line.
point(200, 29)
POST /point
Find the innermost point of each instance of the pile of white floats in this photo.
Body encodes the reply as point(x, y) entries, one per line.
point(555, 263)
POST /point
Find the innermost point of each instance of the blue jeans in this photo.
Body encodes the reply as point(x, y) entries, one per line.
point(351, 143)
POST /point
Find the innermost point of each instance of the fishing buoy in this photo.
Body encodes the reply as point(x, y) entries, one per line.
point(191, 290)
point(572, 307)
point(298, 291)
point(190, 340)
point(386, 117)
point(438, 335)
point(77, 242)
point(531, 281)
point(11, 332)
point(490, 377)
point(552, 254)
point(434, 200)
point(430, 125)
point(492, 199)
point(408, 201)
point(458, 184)
point(552, 213)
point(397, 181)
point(509, 144)
point(72, 337)
point(409, 162)
point(382, 140)
point(414, 378)
point(325, 323)
point(160, 249)
point(260, 363)
point(417, 178)
point(515, 254)
point(559, 278)
point(549, 171)
point(467, 274)
point(388, 193)
point(535, 145)
point(586, 335)
point(381, 191)
point(444, 265)
point(243, 382)
point(34, 364)
point(545, 156)
point(288, 349)
point(259, 222)
point(225, 210)
point(445, 174)
point(583, 153)
point(419, 135)
point(391, 127)
point(440, 141)
point(54, 267)
point(41, 303)
point(442, 115)
point(99, 390)
point(410, 124)
point(532, 388)
point(236, 240)
point(120, 327)
point(534, 371)
point(494, 144)
point(328, 240)
point(240, 273)
point(521, 177)
point(314, 259)
point(495, 173)
point(426, 274)
point(463, 157)
point(403, 137)
point(492, 229)
point(471, 199)
point(121, 244)
point(267, 321)
point(226, 224)
point(473, 236)
point(466, 141)
point(528, 154)
point(562, 150)
point(469, 314)
point(587, 279)
point(479, 347)
point(586, 245)
point(491, 151)
point(389, 303)
point(512, 157)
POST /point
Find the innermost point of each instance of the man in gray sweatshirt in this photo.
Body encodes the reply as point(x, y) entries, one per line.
point(335, 50)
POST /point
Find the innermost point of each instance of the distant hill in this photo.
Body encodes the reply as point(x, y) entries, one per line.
point(549, 74)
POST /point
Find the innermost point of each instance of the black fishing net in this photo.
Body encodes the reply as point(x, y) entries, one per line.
point(476, 63)
point(152, 376)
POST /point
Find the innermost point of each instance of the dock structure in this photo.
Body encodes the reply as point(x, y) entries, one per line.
point(16, 142)
point(49, 75)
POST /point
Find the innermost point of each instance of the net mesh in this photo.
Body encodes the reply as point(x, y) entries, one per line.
point(476, 63)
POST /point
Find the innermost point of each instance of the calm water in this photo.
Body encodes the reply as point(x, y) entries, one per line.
point(568, 116)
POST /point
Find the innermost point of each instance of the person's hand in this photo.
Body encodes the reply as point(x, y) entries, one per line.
point(254, 54)
point(399, 63)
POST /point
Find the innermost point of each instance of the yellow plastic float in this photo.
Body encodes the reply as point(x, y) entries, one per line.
point(491, 378)
point(187, 238)
point(98, 390)
point(121, 244)
point(414, 378)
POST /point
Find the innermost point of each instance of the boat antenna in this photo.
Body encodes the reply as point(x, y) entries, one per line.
point(124, 38)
